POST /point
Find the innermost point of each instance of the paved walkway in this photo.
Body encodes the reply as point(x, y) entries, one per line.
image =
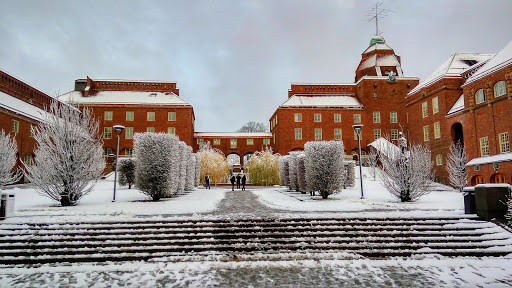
point(243, 204)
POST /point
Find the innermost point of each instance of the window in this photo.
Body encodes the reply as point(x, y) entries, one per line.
point(393, 117)
point(171, 130)
point(437, 130)
point(480, 96)
point(200, 140)
point(15, 126)
point(266, 141)
point(128, 133)
point(151, 116)
point(318, 134)
point(424, 109)
point(108, 115)
point(29, 159)
point(297, 117)
point(150, 129)
point(298, 133)
point(426, 135)
point(439, 159)
point(484, 146)
point(107, 151)
point(318, 117)
point(357, 118)
point(337, 133)
point(129, 116)
point(216, 141)
point(504, 142)
point(250, 141)
point(500, 89)
point(128, 151)
point(435, 105)
point(171, 116)
point(337, 118)
point(232, 143)
point(376, 134)
point(394, 134)
point(376, 117)
point(355, 135)
point(107, 132)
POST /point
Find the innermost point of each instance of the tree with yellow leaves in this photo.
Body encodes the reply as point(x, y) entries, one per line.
point(213, 163)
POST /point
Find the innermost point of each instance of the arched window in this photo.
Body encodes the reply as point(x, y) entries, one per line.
point(439, 159)
point(498, 178)
point(500, 89)
point(480, 96)
point(29, 159)
point(478, 179)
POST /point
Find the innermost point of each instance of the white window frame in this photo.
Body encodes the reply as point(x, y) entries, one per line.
point(504, 142)
point(216, 141)
point(171, 116)
point(233, 143)
point(437, 130)
point(337, 133)
point(318, 117)
point(128, 151)
point(357, 118)
point(266, 141)
point(109, 115)
point(128, 133)
point(376, 117)
point(435, 105)
point(426, 133)
point(439, 160)
point(393, 117)
point(337, 118)
point(15, 126)
point(480, 96)
point(394, 134)
point(500, 89)
point(107, 132)
point(376, 134)
point(130, 115)
point(151, 116)
point(250, 141)
point(318, 133)
point(424, 109)
point(484, 146)
point(171, 130)
point(150, 129)
point(297, 117)
point(298, 133)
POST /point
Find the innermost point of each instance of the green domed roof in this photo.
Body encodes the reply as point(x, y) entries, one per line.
point(377, 39)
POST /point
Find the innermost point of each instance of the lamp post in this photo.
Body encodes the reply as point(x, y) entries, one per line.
point(357, 129)
point(119, 129)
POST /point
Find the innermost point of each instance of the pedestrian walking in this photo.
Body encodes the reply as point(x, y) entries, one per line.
point(244, 179)
point(233, 183)
point(238, 178)
point(207, 181)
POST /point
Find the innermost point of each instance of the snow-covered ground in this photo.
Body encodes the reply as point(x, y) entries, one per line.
point(329, 270)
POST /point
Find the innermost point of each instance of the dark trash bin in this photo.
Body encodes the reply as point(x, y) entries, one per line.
point(469, 200)
point(491, 200)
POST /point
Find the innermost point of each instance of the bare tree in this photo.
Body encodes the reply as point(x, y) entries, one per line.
point(371, 160)
point(406, 172)
point(8, 150)
point(69, 157)
point(253, 127)
point(456, 165)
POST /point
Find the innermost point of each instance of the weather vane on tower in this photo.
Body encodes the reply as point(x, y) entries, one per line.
point(376, 13)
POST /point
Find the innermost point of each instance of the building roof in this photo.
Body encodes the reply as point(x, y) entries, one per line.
point(21, 107)
point(452, 67)
point(490, 159)
point(380, 60)
point(323, 101)
point(501, 60)
point(232, 134)
point(458, 106)
point(124, 97)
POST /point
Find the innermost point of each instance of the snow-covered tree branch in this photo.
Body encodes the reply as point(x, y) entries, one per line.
point(69, 157)
point(456, 165)
point(8, 151)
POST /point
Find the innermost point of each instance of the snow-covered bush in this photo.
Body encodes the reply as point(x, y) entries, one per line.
point(8, 149)
point(183, 166)
point(406, 172)
point(301, 172)
point(292, 171)
point(126, 170)
point(155, 168)
point(283, 170)
point(69, 157)
point(456, 165)
point(349, 175)
point(213, 163)
point(264, 167)
point(324, 166)
point(191, 170)
point(197, 176)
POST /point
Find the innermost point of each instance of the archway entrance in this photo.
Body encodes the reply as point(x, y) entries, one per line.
point(457, 133)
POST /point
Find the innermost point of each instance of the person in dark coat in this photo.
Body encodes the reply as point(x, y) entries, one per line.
point(207, 181)
point(233, 183)
point(243, 182)
point(238, 178)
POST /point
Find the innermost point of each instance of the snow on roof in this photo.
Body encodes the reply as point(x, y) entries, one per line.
point(320, 84)
point(490, 159)
point(458, 106)
point(129, 81)
point(377, 46)
point(21, 107)
point(500, 60)
point(323, 100)
point(124, 97)
point(380, 60)
point(232, 134)
point(452, 67)
point(384, 146)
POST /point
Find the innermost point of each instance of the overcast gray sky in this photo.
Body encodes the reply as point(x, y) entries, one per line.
point(234, 60)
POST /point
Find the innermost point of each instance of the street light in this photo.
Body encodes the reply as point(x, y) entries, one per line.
point(357, 129)
point(119, 129)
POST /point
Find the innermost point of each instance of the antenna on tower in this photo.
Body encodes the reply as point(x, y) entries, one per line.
point(376, 13)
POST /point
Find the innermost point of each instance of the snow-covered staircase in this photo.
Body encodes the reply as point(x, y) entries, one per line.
point(27, 243)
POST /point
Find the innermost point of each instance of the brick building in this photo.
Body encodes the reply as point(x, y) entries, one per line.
point(327, 111)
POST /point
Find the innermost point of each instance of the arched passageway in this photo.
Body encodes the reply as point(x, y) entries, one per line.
point(457, 133)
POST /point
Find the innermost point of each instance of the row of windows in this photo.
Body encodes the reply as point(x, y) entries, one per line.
point(130, 116)
point(435, 107)
point(504, 144)
point(393, 117)
point(437, 131)
point(107, 151)
point(337, 134)
point(500, 89)
point(233, 142)
point(128, 132)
